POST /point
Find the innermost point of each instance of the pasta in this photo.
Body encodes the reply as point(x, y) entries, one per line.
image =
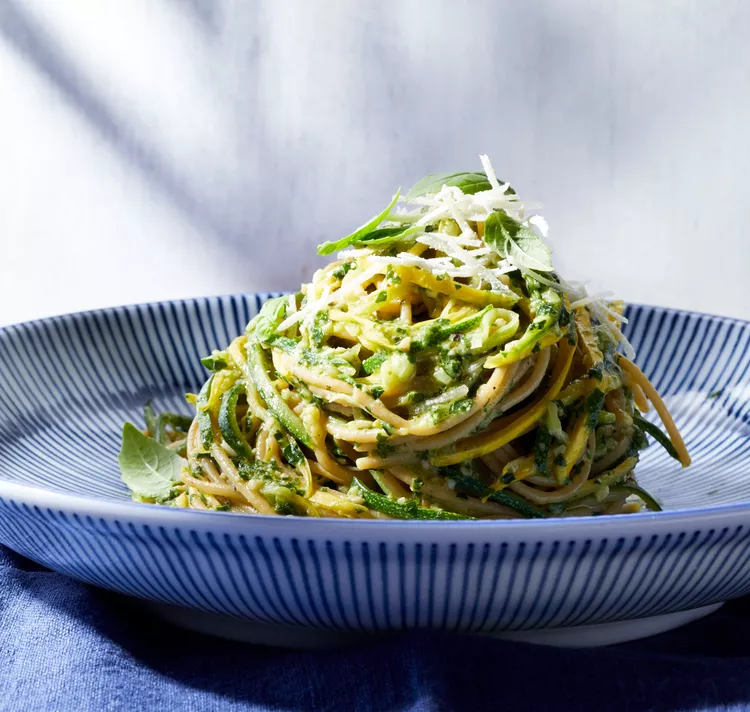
point(440, 368)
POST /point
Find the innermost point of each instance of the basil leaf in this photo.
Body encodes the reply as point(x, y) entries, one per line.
point(356, 237)
point(517, 243)
point(469, 183)
point(148, 468)
point(494, 234)
point(272, 313)
point(529, 252)
point(386, 235)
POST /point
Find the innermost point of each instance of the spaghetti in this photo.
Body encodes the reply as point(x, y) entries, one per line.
point(438, 369)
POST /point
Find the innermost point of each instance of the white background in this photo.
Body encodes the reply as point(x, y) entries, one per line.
point(154, 149)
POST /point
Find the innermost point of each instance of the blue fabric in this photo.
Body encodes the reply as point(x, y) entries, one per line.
point(67, 646)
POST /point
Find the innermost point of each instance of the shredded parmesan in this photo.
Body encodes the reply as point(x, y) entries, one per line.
point(584, 301)
point(466, 255)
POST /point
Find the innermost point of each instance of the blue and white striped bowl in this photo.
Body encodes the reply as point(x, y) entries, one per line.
point(68, 383)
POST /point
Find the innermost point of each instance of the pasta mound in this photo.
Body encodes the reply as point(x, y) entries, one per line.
point(438, 369)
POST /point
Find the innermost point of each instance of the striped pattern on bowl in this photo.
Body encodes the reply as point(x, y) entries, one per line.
point(68, 383)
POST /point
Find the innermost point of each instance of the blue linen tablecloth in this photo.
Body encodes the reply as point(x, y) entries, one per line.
point(68, 646)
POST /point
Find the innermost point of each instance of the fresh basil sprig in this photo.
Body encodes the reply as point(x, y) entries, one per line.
point(370, 234)
point(381, 236)
point(359, 235)
point(517, 242)
point(148, 468)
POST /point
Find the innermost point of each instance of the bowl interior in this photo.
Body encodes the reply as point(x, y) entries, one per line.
point(69, 383)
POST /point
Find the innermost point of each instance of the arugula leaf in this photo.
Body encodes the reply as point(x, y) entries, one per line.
point(356, 237)
point(148, 468)
point(469, 182)
point(517, 243)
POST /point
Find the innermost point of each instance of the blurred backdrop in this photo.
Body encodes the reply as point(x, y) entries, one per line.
point(153, 149)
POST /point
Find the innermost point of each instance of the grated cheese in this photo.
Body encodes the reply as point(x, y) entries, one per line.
point(466, 255)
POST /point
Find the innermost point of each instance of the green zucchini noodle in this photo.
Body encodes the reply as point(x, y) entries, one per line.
point(438, 369)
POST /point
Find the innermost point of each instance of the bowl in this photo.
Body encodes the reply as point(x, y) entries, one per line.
point(68, 383)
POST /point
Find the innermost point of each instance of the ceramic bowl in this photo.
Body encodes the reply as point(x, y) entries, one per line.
point(68, 383)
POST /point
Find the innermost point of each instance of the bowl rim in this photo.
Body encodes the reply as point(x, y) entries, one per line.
point(36, 497)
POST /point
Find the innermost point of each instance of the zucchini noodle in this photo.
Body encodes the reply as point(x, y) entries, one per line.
point(438, 369)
